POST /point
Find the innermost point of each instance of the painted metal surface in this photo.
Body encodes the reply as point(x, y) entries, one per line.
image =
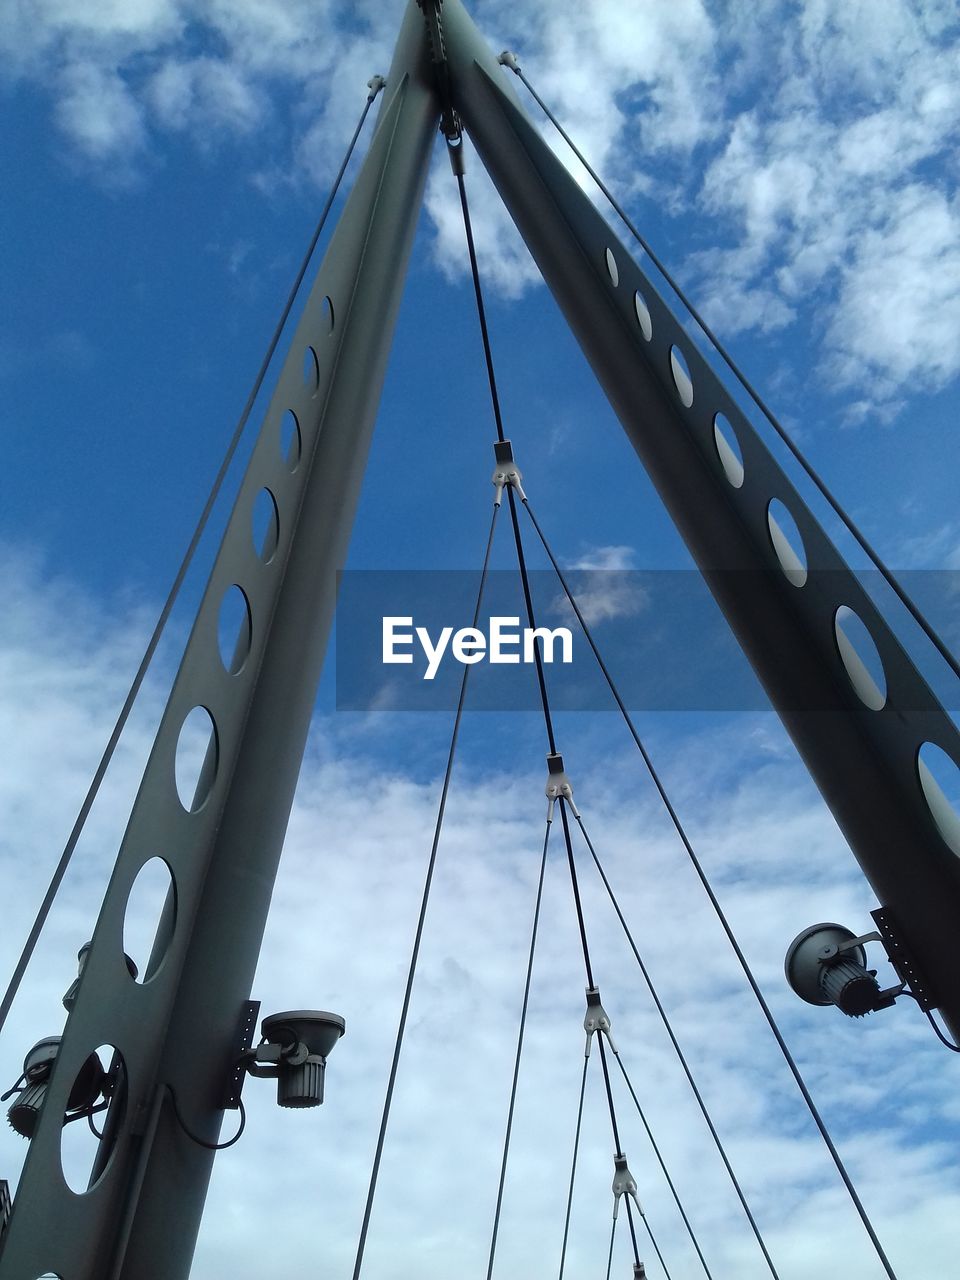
point(781, 607)
point(176, 1030)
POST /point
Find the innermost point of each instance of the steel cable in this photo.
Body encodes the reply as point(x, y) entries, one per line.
point(681, 1057)
point(573, 1169)
point(61, 869)
point(519, 1054)
point(541, 680)
point(721, 915)
point(848, 521)
point(421, 920)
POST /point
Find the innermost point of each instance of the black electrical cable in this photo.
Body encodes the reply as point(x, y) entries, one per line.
point(940, 1036)
point(573, 1169)
point(848, 521)
point(411, 972)
point(721, 915)
point(519, 1054)
point(201, 1142)
point(656, 1151)
point(61, 869)
point(681, 1057)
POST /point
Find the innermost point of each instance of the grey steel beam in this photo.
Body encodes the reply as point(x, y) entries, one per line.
point(175, 1030)
point(864, 760)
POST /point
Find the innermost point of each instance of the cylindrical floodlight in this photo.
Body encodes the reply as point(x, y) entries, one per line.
point(300, 1076)
point(37, 1065)
point(821, 972)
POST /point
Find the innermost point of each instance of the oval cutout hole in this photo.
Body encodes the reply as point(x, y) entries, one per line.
point(860, 658)
point(612, 269)
point(234, 629)
point(787, 543)
point(728, 450)
point(84, 1155)
point(643, 315)
point(150, 917)
point(681, 377)
point(311, 369)
point(266, 525)
point(196, 761)
point(290, 439)
point(328, 316)
point(939, 777)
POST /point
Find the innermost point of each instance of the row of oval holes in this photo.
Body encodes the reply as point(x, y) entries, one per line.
point(937, 773)
point(196, 757)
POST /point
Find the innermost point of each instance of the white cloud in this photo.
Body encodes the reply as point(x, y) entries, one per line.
point(339, 937)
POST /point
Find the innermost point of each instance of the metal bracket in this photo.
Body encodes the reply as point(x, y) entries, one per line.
point(624, 1184)
point(243, 1040)
point(506, 474)
point(558, 785)
point(376, 84)
point(450, 125)
point(596, 1020)
point(902, 959)
point(509, 60)
point(639, 1271)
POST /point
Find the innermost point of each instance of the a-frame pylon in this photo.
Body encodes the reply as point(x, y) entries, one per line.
point(175, 1032)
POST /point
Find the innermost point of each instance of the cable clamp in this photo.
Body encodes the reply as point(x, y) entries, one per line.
point(558, 785)
point(375, 84)
point(639, 1271)
point(596, 1020)
point(624, 1184)
point(506, 474)
point(509, 60)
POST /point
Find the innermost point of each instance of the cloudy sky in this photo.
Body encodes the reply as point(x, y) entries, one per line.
point(796, 166)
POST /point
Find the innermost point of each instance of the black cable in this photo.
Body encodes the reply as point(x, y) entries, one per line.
point(940, 1036)
point(681, 1057)
point(528, 600)
point(613, 1232)
point(721, 916)
point(781, 431)
point(656, 1151)
point(573, 1169)
point(481, 310)
point(653, 1239)
point(411, 972)
point(579, 906)
point(61, 869)
point(498, 418)
point(516, 1065)
point(201, 1142)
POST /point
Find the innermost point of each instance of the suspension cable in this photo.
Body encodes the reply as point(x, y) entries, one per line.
point(718, 909)
point(613, 1232)
point(457, 162)
point(520, 1033)
point(60, 871)
point(681, 1057)
point(656, 1151)
point(418, 937)
point(847, 520)
point(573, 1168)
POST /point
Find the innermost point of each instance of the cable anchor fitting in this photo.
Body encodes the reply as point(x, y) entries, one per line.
point(509, 60)
point(376, 84)
point(506, 474)
point(596, 1020)
point(558, 785)
point(624, 1184)
point(639, 1271)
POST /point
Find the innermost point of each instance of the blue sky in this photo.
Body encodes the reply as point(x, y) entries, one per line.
point(795, 165)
